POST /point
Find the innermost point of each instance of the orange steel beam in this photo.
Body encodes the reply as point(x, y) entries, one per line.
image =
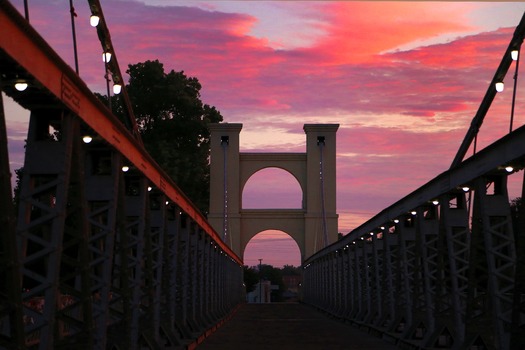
point(25, 46)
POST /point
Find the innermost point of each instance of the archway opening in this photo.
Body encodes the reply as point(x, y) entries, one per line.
point(272, 272)
point(272, 188)
point(274, 247)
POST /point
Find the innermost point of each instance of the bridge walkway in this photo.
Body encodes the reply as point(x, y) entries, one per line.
point(288, 326)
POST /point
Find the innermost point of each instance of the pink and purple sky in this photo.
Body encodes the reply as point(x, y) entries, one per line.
point(403, 80)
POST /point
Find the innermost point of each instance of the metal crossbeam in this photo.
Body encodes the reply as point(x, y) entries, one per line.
point(20, 43)
point(98, 259)
point(450, 278)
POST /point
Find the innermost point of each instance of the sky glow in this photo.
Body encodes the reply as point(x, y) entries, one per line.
point(403, 79)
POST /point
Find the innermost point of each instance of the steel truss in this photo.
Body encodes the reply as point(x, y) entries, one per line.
point(435, 279)
point(99, 258)
point(427, 272)
point(104, 261)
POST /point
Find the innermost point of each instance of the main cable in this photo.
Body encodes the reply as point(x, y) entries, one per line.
point(224, 144)
point(320, 142)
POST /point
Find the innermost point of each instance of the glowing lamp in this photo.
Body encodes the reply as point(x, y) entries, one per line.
point(509, 169)
point(87, 138)
point(514, 54)
point(94, 20)
point(499, 86)
point(117, 88)
point(21, 85)
point(125, 168)
point(465, 188)
point(106, 56)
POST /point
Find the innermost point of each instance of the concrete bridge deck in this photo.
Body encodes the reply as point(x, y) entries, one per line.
point(288, 326)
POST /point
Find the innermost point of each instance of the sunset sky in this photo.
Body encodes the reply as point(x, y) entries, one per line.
point(403, 80)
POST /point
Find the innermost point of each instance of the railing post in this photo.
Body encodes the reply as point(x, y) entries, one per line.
point(492, 266)
point(53, 258)
point(451, 296)
point(405, 301)
point(11, 312)
point(390, 246)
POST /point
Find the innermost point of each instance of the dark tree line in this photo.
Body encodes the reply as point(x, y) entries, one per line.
point(252, 275)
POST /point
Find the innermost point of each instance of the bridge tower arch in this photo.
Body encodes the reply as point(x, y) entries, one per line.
point(313, 226)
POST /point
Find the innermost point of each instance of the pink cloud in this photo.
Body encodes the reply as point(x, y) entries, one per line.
point(359, 30)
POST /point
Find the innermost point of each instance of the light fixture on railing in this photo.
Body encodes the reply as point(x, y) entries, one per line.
point(396, 221)
point(509, 169)
point(514, 54)
point(94, 20)
point(435, 202)
point(413, 212)
point(150, 188)
point(106, 56)
point(87, 138)
point(499, 86)
point(465, 188)
point(117, 88)
point(21, 85)
point(125, 168)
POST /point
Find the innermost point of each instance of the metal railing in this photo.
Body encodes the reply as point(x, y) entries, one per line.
point(98, 221)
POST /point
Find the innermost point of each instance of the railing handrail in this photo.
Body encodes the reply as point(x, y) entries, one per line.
point(24, 44)
point(504, 151)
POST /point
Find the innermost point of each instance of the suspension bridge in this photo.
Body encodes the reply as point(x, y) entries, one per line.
point(106, 252)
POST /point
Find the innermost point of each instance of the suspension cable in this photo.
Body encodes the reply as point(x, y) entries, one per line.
point(514, 90)
point(26, 10)
point(113, 67)
point(224, 144)
point(74, 33)
point(503, 67)
point(321, 144)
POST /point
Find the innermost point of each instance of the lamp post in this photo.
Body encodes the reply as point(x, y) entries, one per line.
point(260, 281)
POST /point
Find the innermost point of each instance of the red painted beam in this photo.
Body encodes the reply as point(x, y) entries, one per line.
point(24, 45)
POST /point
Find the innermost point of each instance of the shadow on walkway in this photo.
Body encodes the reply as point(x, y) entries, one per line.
point(288, 326)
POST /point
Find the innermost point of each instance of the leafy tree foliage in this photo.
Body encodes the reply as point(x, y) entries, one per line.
point(290, 270)
point(173, 122)
point(516, 212)
point(16, 191)
point(251, 278)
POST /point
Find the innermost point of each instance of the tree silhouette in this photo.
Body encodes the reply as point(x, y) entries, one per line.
point(173, 122)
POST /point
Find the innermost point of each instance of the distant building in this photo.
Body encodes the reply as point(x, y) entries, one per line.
point(292, 284)
point(261, 293)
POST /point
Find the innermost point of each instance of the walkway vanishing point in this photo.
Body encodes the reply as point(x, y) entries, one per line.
point(290, 326)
